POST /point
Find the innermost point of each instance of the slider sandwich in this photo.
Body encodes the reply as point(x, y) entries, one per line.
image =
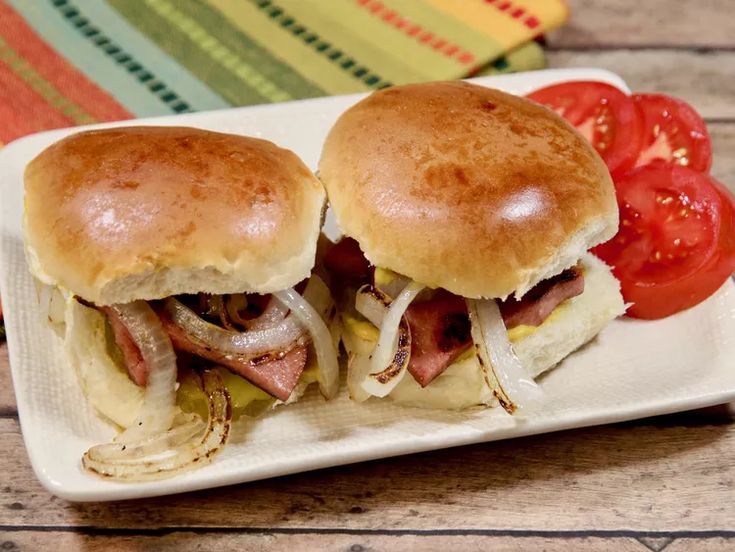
point(176, 264)
point(468, 214)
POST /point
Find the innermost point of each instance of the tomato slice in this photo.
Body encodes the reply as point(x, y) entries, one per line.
point(676, 242)
point(672, 131)
point(605, 116)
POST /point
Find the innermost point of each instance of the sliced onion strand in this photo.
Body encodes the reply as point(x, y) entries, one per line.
point(372, 303)
point(321, 338)
point(282, 337)
point(273, 314)
point(186, 427)
point(504, 373)
point(157, 413)
point(391, 355)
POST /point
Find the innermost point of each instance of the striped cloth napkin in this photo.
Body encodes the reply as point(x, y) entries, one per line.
point(71, 62)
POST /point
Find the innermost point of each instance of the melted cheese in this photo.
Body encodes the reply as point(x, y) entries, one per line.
point(360, 328)
point(364, 330)
point(384, 276)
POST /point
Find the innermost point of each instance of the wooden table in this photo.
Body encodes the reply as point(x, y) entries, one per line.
point(660, 483)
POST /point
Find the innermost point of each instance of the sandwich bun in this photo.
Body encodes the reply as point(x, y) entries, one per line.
point(147, 212)
point(466, 188)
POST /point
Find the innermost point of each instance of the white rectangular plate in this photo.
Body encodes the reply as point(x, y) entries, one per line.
point(633, 369)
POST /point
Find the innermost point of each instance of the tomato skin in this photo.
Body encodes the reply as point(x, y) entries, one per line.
point(727, 231)
point(604, 114)
point(683, 132)
point(667, 263)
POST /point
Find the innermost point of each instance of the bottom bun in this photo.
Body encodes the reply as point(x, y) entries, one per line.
point(104, 382)
point(570, 325)
point(579, 320)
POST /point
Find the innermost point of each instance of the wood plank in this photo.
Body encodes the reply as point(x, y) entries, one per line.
point(723, 146)
point(606, 478)
point(700, 545)
point(651, 22)
point(7, 396)
point(704, 79)
point(67, 541)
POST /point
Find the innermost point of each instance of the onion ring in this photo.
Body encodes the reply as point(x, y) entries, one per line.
point(184, 457)
point(282, 337)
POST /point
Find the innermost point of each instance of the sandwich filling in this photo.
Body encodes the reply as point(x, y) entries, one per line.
point(440, 323)
point(253, 336)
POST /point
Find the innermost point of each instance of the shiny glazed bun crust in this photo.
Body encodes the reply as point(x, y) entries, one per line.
point(147, 212)
point(467, 188)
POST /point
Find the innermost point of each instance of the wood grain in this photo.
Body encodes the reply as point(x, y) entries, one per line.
point(184, 541)
point(723, 147)
point(274, 542)
point(704, 79)
point(636, 23)
point(606, 478)
point(7, 397)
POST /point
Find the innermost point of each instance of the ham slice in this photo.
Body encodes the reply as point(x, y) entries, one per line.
point(440, 327)
point(137, 368)
point(536, 305)
point(440, 331)
point(276, 377)
point(345, 260)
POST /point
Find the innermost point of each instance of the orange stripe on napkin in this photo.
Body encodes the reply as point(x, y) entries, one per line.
point(56, 70)
point(22, 110)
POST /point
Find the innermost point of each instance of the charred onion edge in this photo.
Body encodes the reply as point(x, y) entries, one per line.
point(372, 303)
point(218, 305)
point(483, 358)
point(504, 373)
point(233, 304)
point(392, 374)
point(401, 358)
point(187, 455)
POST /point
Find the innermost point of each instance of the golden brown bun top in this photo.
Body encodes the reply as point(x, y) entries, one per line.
point(467, 188)
point(146, 212)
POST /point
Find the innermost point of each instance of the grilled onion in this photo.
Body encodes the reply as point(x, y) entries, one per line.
point(504, 373)
point(159, 399)
point(372, 303)
point(234, 304)
point(185, 426)
point(282, 337)
point(326, 352)
point(392, 352)
point(358, 368)
point(273, 315)
point(188, 455)
point(217, 307)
